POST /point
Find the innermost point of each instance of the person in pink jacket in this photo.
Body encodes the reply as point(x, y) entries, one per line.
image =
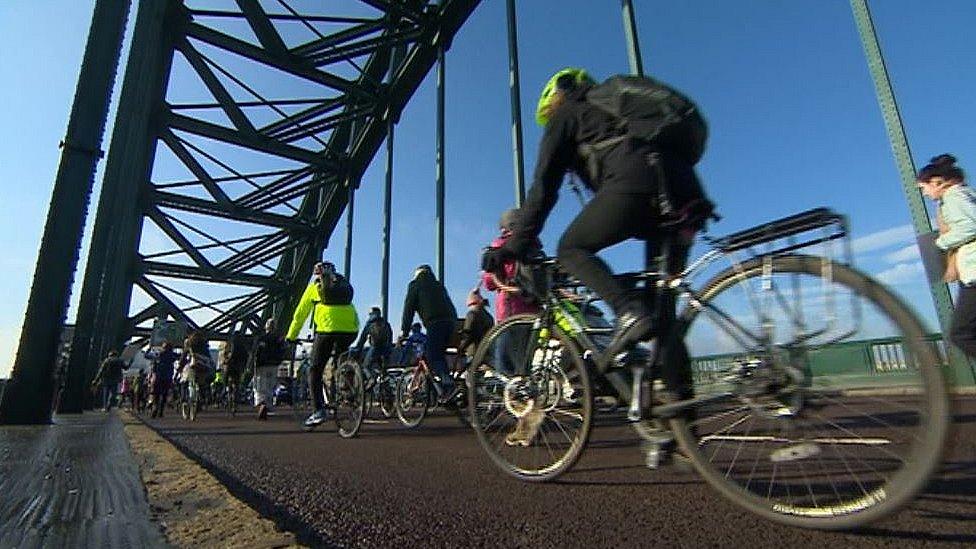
point(510, 300)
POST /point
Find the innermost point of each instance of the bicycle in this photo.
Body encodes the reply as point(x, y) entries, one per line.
point(189, 401)
point(343, 394)
point(380, 384)
point(416, 395)
point(752, 402)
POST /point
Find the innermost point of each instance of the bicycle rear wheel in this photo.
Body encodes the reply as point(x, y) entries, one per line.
point(530, 399)
point(826, 406)
point(412, 397)
point(350, 398)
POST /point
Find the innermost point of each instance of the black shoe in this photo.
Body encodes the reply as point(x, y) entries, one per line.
point(633, 326)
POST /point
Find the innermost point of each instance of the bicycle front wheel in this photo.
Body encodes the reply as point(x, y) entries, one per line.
point(412, 398)
point(822, 402)
point(530, 400)
point(350, 398)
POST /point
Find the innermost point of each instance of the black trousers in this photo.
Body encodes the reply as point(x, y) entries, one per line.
point(325, 346)
point(608, 219)
point(963, 331)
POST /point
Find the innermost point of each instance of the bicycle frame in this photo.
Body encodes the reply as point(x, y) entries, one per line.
point(779, 237)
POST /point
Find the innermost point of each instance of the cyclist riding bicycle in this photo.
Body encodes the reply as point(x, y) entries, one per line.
point(233, 361)
point(409, 349)
point(378, 333)
point(328, 298)
point(642, 190)
point(427, 297)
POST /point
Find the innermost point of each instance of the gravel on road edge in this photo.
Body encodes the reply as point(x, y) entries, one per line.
point(192, 508)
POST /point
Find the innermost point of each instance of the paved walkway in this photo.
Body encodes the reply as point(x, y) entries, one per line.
point(72, 484)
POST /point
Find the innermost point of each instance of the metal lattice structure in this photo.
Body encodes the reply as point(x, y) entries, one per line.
point(240, 135)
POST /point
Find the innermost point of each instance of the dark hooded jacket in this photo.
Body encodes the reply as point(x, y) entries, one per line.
point(427, 297)
point(625, 167)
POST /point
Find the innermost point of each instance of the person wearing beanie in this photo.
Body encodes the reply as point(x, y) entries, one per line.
point(477, 322)
point(509, 299)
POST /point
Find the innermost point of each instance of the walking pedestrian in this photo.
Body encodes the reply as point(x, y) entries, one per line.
point(267, 356)
point(109, 376)
point(162, 378)
point(943, 181)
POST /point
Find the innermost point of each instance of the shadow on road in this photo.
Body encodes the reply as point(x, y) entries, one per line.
point(283, 517)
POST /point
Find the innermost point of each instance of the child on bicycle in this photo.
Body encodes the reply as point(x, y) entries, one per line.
point(943, 181)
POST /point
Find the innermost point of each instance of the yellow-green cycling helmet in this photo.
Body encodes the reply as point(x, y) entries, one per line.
point(565, 79)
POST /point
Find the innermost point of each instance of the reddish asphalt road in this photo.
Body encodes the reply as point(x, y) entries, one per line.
point(433, 487)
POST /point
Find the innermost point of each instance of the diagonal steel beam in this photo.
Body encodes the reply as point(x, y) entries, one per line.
point(176, 236)
point(205, 207)
point(330, 41)
point(324, 107)
point(219, 91)
point(263, 28)
point(190, 272)
point(176, 145)
point(255, 142)
point(363, 47)
point(292, 65)
point(164, 302)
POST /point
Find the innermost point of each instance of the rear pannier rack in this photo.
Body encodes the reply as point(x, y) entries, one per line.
point(795, 232)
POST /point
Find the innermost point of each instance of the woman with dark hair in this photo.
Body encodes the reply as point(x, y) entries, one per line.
point(943, 181)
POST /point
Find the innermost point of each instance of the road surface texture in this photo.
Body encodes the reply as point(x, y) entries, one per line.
point(434, 487)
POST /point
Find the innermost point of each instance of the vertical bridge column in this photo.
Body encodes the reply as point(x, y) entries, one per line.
point(28, 397)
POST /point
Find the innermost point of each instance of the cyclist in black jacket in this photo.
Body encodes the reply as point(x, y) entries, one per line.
point(634, 176)
point(380, 336)
point(427, 297)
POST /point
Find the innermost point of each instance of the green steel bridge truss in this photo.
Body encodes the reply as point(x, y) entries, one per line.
point(240, 136)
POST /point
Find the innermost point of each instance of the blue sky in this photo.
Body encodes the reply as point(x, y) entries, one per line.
point(784, 85)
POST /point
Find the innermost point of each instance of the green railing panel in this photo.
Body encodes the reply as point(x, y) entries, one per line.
point(865, 363)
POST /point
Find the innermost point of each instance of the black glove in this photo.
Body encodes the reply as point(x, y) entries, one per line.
point(493, 259)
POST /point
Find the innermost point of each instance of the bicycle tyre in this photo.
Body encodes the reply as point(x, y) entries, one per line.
point(922, 456)
point(412, 409)
point(350, 399)
point(387, 399)
point(485, 408)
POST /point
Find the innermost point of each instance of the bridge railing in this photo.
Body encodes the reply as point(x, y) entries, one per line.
point(868, 361)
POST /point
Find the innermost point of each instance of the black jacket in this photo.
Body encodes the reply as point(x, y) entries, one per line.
point(110, 370)
point(379, 333)
point(427, 297)
point(476, 324)
point(270, 350)
point(625, 167)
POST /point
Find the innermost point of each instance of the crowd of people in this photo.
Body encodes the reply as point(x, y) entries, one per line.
point(640, 170)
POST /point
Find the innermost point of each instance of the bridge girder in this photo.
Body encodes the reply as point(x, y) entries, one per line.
point(220, 225)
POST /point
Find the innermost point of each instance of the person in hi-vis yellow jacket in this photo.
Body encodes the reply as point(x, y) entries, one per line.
point(328, 298)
